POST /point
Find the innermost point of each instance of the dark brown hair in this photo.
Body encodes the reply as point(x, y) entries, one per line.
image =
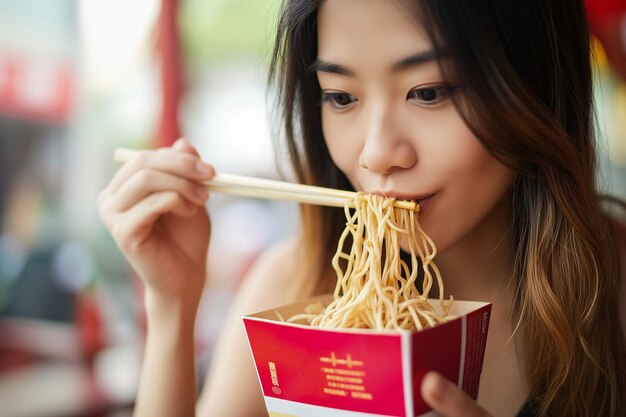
point(525, 72)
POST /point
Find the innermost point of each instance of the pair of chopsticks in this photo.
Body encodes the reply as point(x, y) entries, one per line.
point(269, 189)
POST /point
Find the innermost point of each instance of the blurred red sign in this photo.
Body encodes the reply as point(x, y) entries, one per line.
point(36, 88)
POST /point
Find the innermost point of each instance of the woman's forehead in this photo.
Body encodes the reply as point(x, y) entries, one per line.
point(362, 33)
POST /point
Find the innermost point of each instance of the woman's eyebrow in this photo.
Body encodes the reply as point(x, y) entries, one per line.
point(419, 59)
point(325, 66)
point(405, 63)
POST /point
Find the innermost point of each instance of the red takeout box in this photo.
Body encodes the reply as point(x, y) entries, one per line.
point(307, 371)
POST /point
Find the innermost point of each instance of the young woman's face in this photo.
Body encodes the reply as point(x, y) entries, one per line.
point(389, 123)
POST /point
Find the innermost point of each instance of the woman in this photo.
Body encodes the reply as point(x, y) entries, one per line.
point(481, 111)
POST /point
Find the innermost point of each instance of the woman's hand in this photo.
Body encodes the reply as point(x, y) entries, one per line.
point(447, 399)
point(154, 209)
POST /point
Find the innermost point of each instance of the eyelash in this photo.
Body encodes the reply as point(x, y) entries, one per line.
point(331, 98)
point(443, 93)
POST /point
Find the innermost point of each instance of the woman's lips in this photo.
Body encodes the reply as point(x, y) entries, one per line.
point(423, 201)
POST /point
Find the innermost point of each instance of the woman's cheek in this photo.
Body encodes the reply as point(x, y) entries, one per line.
point(342, 141)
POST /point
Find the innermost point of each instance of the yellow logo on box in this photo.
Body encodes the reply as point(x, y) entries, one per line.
point(334, 360)
point(274, 376)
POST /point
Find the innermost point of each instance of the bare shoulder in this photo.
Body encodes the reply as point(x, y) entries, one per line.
point(232, 387)
point(277, 277)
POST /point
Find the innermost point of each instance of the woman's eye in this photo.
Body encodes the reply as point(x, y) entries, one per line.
point(338, 100)
point(429, 96)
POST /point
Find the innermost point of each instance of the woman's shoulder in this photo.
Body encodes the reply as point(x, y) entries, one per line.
point(277, 276)
point(232, 374)
point(279, 261)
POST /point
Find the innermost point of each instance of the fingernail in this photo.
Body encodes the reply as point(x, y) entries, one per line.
point(179, 143)
point(202, 168)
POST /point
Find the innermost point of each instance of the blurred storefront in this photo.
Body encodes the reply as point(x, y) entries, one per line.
point(38, 51)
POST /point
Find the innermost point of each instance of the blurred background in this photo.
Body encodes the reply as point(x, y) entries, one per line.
point(79, 78)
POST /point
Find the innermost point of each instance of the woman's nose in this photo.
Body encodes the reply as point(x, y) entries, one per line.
point(387, 146)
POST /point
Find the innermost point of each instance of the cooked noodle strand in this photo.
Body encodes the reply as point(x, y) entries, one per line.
point(375, 288)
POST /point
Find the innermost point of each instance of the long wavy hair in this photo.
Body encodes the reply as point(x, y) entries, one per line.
point(525, 69)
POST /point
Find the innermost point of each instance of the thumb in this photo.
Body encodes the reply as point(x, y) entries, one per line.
point(448, 399)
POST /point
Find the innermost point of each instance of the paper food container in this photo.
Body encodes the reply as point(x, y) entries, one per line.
point(313, 372)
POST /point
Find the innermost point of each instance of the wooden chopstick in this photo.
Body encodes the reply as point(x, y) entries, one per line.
point(270, 189)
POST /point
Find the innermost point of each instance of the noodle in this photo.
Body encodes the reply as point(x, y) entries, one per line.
point(376, 289)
